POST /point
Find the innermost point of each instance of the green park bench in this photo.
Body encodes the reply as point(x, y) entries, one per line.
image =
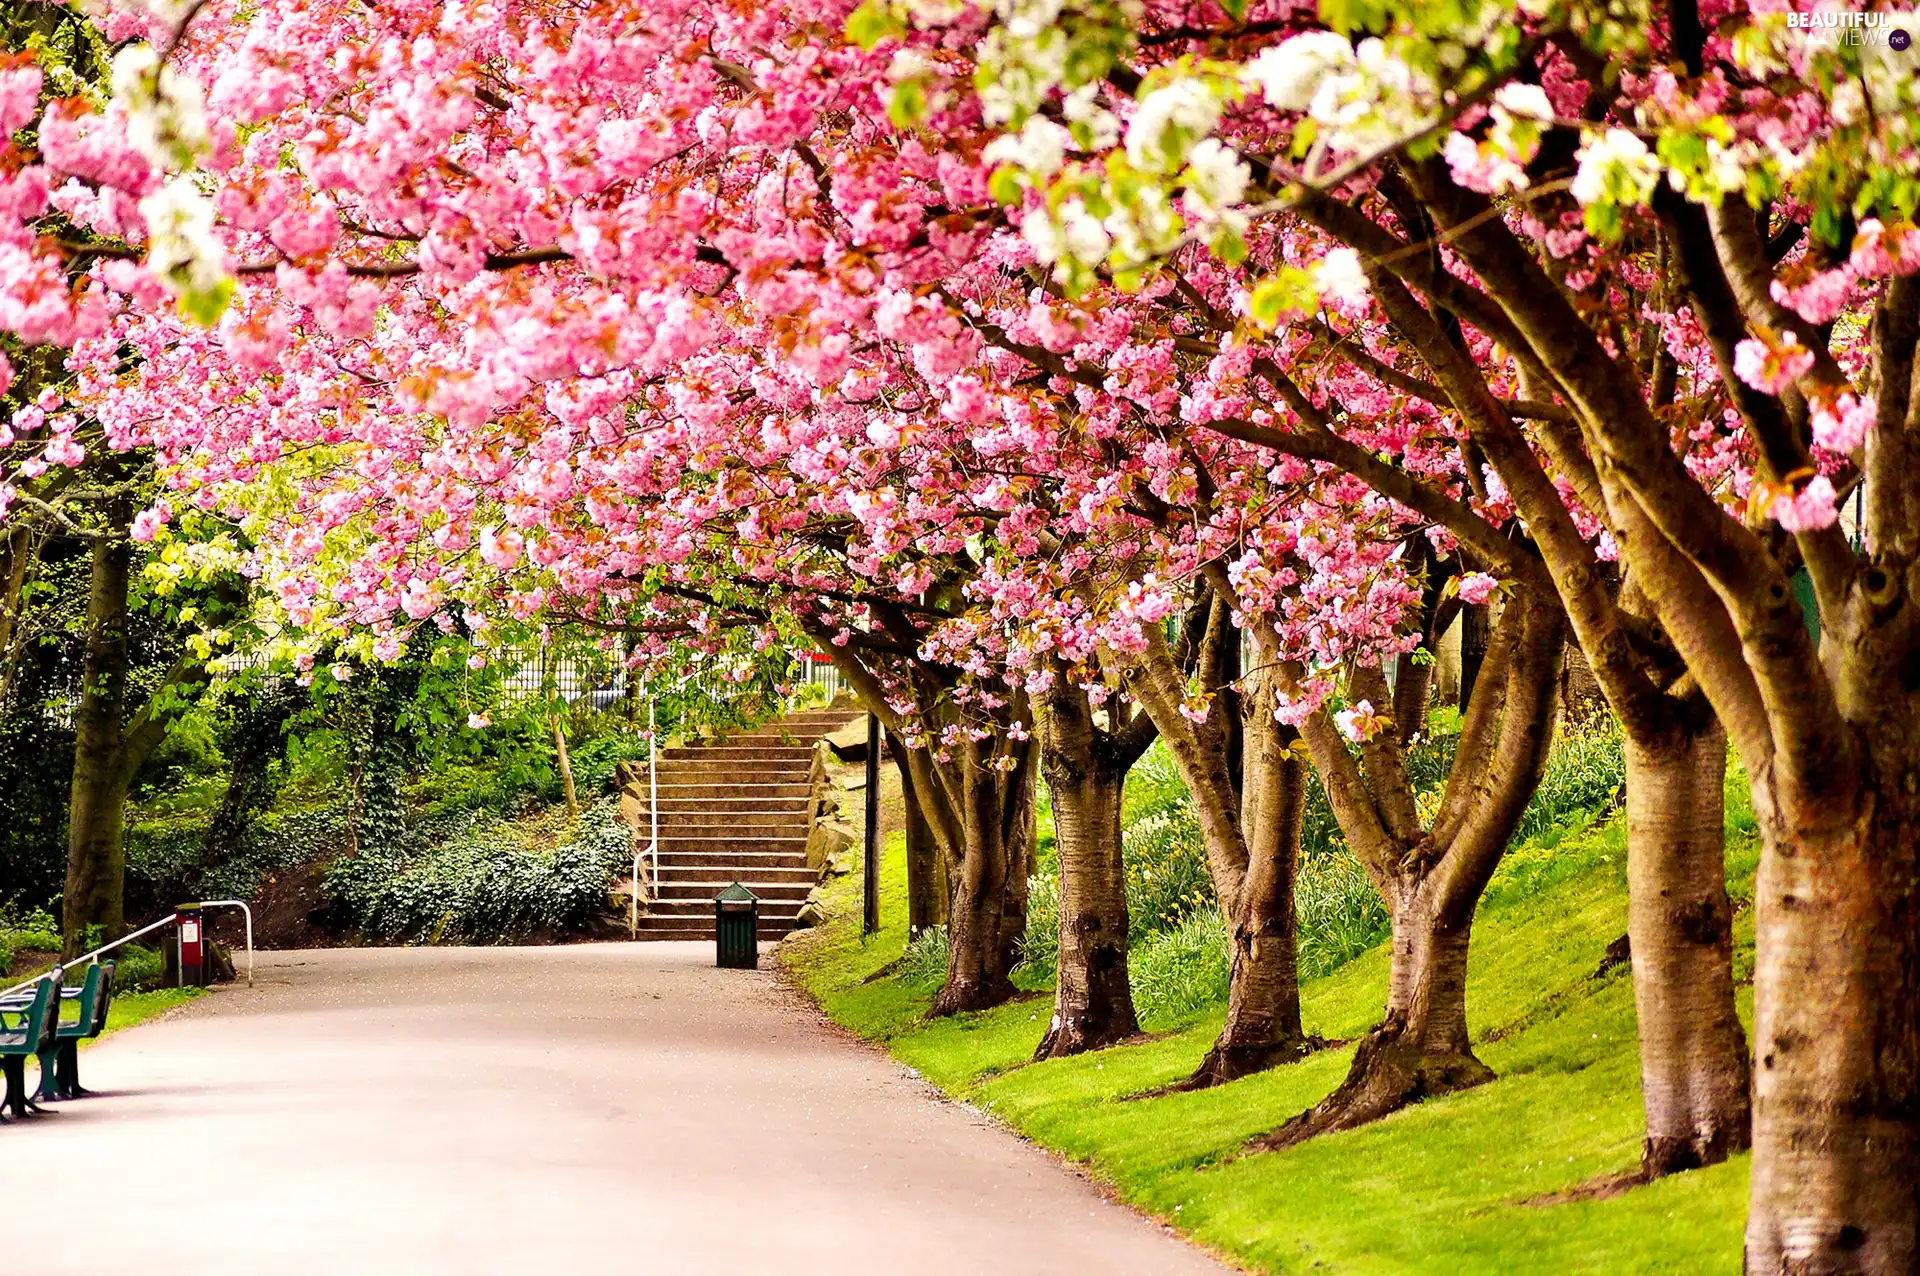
point(60, 1066)
point(29, 1025)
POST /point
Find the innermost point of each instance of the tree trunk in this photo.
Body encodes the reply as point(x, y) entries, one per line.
point(1263, 1025)
point(1412, 689)
point(989, 844)
point(926, 870)
point(565, 761)
point(1431, 874)
point(1836, 1094)
point(1476, 626)
point(16, 552)
point(1093, 1002)
point(96, 854)
point(1693, 1051)
point(1421, 1049)
point(1251, 831)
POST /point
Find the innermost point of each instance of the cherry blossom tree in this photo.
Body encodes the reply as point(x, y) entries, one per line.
point(1523, 174)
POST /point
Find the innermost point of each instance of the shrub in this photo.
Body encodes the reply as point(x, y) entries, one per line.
point(138, 968)
point(1587, 768)
point(1340, 914)
point(1167, 877)
point(595, 761)
point(476, 878)
point(924, 963)
point(1040, 942)
point(1179, 973)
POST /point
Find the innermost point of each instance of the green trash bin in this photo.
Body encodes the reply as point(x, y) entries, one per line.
point(736, 928)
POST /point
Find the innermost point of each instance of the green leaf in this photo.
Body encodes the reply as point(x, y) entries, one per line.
point(1005, 185)
point(873, 22)
point(204, 306)
point(907, 107)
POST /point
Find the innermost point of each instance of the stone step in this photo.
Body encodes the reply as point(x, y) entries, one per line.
point(704, 891)
point(729, 797)
point(770, 909)
point(743, 748)
point(732, 774)
point(738, 863)
point(677, 873)
point(734, 759)
point(685, 928)
point(745, 823)
point(748, 848)
point(744, 781)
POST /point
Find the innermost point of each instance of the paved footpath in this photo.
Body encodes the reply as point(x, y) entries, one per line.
point(599, 1109)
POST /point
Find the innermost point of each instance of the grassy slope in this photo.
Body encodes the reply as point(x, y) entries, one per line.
point(1438, 1188)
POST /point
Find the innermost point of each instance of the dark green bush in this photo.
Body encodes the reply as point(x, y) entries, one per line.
point(475, 878)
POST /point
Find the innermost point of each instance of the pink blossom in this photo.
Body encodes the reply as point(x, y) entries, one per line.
point(1359, 722)
point(148, 522)
point(1771, 368)
point(1477, 587)
point(1821, 298)
point(1810, 510)
point(500, 548)
point(1841, 426)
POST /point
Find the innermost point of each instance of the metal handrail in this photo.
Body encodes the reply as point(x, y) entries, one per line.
point(83, 958)
point(652, 851)
point(653, 797)
point(242, 906)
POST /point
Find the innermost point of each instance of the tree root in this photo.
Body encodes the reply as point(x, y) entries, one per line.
point(1078, 1035)
point(1230, 1063)
point(960, 998)
point(1389, 1072)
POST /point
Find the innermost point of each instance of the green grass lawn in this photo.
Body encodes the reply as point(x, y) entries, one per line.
point(1442, 1187)
point(131, 1008)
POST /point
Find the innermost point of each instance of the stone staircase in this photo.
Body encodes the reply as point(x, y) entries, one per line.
point(733, 809)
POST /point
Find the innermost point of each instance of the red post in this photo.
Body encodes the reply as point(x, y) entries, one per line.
point(193, 946)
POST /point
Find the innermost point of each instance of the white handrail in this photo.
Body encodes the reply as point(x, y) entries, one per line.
point(95, 954)
point(242, 906)
point(653, 797)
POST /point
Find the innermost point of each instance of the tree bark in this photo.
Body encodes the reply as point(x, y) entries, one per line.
point(989, 846)
point(1086, 772)
point(16, 554)
point(1431, 876)
point(1412, 690)
point(1693, 1051)
point(926, 870)
point(1474, 628)
point(565, 761)
point(1263, 1026)
point(96, 852)
point(1836, 1094)
point(1248, 805)
point(1421, 1048)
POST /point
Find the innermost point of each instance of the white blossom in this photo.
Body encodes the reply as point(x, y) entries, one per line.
point(1615, 168)
point(1039, 148)
point(165, 110)
point(1042, 235)
point(1165, 118)
point(1527, 101)
point(1288, 74)
point(180, 239)
point(1082, 106)
point(1216, 175)
point(1084, 237)
point(1340, 276)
